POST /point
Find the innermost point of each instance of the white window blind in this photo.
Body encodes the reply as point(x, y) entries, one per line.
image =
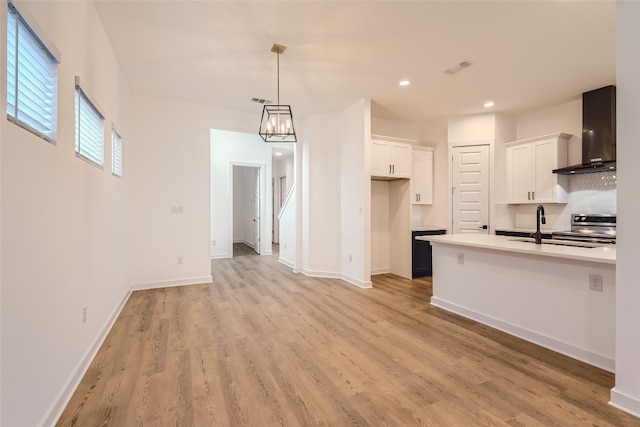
point(89, 130)
point(32, 79)
point(116, 153)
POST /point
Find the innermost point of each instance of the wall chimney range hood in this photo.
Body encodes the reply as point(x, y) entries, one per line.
point(598, 133)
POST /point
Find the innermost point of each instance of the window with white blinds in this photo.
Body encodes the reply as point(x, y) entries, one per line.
point(89, 130)
point(32, 79)
point(116, 153)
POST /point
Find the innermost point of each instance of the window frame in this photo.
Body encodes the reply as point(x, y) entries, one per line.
point(41, 44)
point(81, 97)
point(116, 137)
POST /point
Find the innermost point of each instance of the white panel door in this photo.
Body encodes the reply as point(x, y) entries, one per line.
point(256, 216)
point(470, 192)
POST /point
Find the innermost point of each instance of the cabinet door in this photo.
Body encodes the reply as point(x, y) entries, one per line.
point(546, 159)
point(380, 158)
point(401, 160)
point(422, 178)
point(519, 173)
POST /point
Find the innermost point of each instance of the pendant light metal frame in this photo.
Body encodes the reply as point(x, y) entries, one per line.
point(276, 124)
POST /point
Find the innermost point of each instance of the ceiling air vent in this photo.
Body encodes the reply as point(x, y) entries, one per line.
point(458, 67)
point(261, 100)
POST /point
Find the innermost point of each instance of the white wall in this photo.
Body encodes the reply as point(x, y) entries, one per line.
point(626, 394)
point(355, 192)
point(241, 149)
point(64, 225)
point(321, 213)
point(171, 158)
point(335, 221)
point(471, 128)
point(396, 129)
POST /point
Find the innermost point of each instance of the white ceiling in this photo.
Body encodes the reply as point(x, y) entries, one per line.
point(527, 54)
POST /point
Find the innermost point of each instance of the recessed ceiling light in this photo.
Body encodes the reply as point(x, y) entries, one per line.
point(404, 83)
point(278, 153)
point(489, 104)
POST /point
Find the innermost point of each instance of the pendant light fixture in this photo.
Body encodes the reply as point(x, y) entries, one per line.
point(277, 120)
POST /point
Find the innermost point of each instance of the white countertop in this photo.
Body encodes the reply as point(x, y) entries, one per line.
point(604, 254)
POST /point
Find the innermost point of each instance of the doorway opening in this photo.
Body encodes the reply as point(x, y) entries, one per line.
point(247, 214)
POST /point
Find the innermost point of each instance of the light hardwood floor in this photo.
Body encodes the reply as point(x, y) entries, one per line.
point(261, 346)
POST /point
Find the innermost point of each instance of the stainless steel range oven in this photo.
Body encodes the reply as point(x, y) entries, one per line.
point(590, 228)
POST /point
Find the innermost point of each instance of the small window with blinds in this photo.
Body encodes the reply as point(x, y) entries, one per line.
point(32, 79)
point(116, 153)
point(89, 129)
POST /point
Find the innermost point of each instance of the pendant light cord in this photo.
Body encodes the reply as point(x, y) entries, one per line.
point(278, 53)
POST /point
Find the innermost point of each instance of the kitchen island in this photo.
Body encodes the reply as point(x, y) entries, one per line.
point(540, 293)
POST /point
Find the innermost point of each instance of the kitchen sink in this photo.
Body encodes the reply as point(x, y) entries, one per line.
point(558, 242)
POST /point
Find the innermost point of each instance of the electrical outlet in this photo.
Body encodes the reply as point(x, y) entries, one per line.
point(350, 258)
point(84, 314)
point(595, 282)
point(180, 260)
point(285, 246)
point(460, 258)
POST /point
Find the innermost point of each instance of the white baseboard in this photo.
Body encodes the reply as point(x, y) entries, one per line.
point(624, 402)
point(598, 360)
point(375, 271)
point(170, 283)
point(287, 263)
point(267, 252)
point(251, 245)
point(65, 395)
point(358, 283)
point(221, 256)
point(333, 275)
point(322, 274)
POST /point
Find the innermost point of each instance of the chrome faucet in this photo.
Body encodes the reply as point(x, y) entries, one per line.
point(539, 219)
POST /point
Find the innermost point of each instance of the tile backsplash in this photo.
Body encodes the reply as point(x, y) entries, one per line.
point(592, 193)
point(588, 193)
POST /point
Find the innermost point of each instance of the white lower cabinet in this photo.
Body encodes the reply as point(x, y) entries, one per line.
point(422, 177)
point(530, 165)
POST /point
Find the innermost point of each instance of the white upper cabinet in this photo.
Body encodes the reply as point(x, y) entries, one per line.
point(530, 163)
point(390, 159)
point(422, 177)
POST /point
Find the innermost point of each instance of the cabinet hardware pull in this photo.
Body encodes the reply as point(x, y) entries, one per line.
point(528, 195)
point(389, 169)
point(533, 195)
